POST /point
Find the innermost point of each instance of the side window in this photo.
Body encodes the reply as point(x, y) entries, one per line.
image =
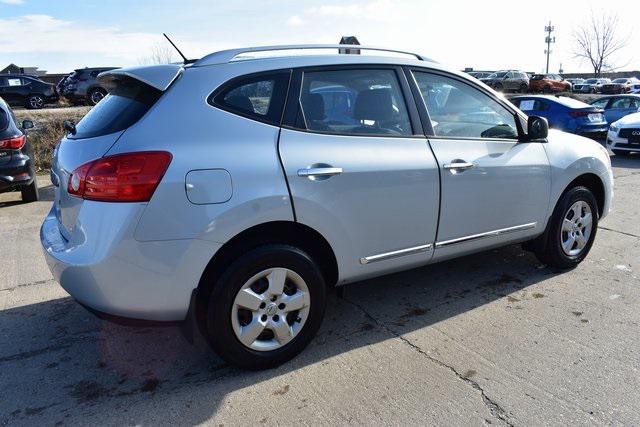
point(13, 81)
point(256, 97)
point(353, 102)
point(621, 103)
point(457, 109)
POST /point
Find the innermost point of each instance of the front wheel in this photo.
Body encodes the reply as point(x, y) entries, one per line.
point(571, 229)
point(96, 95)
point(266, 307)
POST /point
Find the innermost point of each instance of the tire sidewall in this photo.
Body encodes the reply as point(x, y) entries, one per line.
point(554, 244)
point(219, 328)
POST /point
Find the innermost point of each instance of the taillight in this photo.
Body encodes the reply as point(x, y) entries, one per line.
point(576, 114)
point(129, 177)
point(13, 143)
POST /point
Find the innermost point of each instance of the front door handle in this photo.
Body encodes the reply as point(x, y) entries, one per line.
point(458, 164)
point(325, 172)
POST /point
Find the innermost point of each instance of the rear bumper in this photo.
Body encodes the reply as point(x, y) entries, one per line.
point(12, 173)
point(106, 270)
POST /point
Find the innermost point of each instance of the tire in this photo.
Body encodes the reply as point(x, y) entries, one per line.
point(30, 193)
point(524, 88)
point(34, 102)
point(497, 86)
point(546, 89)
point(552, 252)
point(96, 95)
point(254, 271)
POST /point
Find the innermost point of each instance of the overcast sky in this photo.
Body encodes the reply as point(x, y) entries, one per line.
point(62, 35)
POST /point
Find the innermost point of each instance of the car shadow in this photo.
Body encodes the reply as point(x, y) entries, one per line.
point(58, 361)
point(47, 194)
point(629, 161)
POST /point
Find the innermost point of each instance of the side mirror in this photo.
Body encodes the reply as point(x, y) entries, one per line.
point(69, 126)
point(537, 128)
point(27, 124)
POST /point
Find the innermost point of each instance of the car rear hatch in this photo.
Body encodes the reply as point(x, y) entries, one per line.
point(132, 93)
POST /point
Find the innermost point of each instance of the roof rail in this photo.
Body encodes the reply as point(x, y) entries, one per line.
point(225, 56)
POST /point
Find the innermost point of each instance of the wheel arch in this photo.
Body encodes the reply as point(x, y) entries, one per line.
point(288, 232)
point(594, 184)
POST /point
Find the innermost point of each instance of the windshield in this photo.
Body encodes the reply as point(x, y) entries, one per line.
point(538, 77)
point(121, 108)
point(591, 81)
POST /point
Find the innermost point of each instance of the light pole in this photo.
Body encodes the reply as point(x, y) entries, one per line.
point(548, 40)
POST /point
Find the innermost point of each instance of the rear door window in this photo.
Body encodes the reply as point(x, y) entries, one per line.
point(259, 97)
point(353, 102)
point(621, 103)
point(125, 104)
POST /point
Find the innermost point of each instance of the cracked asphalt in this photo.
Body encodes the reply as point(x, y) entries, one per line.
point(493, 338)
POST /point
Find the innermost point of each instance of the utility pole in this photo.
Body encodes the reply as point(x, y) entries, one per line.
point(548, 40)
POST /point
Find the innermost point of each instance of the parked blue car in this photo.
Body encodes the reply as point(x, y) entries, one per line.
point(617, 106)
point(564, 113)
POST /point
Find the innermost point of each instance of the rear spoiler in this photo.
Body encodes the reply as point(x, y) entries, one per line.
point(157, 76)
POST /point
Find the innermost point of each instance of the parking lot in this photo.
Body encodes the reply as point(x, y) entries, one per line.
point(493, 338)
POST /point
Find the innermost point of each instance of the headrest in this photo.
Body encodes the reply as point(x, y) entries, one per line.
point(374, 104)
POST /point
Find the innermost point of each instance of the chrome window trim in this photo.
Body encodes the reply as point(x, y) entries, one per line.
point(396, 254)
point(493, 233)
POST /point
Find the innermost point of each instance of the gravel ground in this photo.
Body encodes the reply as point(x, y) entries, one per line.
point(491, 338)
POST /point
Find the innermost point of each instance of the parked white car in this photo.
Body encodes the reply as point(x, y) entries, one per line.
point(624, 135)
point(236, 189)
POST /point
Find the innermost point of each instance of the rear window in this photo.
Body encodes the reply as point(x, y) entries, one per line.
point(570, 102)
point(125, 104)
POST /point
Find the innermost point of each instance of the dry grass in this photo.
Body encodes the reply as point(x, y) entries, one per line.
point(48, 130)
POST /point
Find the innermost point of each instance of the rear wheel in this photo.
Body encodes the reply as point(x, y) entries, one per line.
point(498, 86)
point(524, 88)
point(571, 229)
point(546, 89)
point(35, 102)
point(266, 307)
point(30, 193)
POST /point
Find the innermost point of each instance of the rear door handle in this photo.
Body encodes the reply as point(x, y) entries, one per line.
point(319, 172)
point(458, 165)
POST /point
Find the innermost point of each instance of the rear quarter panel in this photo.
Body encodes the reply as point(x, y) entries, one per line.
point(200, 136)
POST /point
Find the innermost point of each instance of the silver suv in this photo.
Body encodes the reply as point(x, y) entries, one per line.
point(235, 190)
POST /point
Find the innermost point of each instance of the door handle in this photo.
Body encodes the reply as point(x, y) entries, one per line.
point(458, 165)
point(319, 172)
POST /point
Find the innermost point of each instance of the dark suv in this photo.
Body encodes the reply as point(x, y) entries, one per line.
point(82, 87)
point(28, 91)
point(16, 166)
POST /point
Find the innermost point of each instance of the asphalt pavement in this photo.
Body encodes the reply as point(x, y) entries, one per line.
point(492, 338)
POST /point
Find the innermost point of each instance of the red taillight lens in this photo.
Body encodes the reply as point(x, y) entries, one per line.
point(13, 143)
point(576, 114)
point(130, 177)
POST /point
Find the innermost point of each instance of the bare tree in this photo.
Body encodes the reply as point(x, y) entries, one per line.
point(160, 53)
point(599, 41)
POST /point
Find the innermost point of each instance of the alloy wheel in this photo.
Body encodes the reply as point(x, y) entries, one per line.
point(270, 309)
point(36, 101)
point(96, 96)
point(576, 228)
